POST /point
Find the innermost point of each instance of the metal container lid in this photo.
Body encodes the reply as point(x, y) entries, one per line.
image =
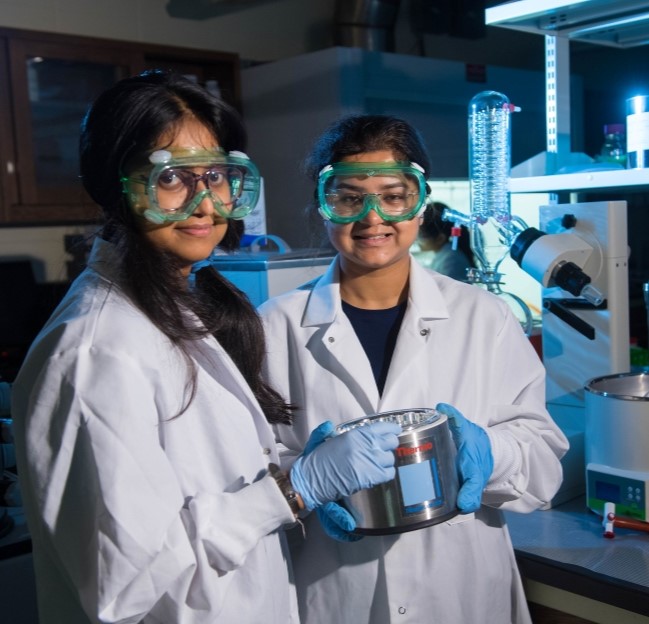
point(625, 386)
point(409, 419)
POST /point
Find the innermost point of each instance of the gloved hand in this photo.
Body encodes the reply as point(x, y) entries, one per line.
point(336, 521)
point(354, 460)
point(322, 432)
point(474, 459)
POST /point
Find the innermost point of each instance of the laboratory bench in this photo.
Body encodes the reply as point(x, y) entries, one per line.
point(567, 564)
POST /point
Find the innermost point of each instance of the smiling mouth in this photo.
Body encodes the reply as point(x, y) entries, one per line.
point(197, 226)
point(201, 229)
point(204, 225)
point(371, 236)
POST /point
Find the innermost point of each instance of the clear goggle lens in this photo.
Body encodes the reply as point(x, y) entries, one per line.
point(174, 188)
point(342, 198)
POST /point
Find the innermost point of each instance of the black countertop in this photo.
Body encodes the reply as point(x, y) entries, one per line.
point(564, 547)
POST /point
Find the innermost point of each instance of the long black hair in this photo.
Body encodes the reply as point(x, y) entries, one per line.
point(128, 120)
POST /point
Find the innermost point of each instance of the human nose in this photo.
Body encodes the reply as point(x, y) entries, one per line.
point(372, 203)
point(205, 204)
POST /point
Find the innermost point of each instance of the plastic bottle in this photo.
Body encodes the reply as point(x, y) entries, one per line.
point(637, 135)
point(614, 147)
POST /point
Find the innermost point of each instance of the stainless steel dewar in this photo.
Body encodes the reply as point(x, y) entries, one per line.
point(616, 439)
point(425, 487)
point(617, 421)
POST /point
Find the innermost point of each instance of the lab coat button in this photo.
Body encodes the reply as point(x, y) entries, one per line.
point(423, 332)
point(402, 610)
point(331, 339)
point(266, 451)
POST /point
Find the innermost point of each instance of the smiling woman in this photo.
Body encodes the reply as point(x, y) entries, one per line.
point(380, 333)
point(143, 437)
point(378, 236)
point(121, 446)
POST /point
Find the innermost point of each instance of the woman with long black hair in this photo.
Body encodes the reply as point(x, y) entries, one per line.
point(142, 424)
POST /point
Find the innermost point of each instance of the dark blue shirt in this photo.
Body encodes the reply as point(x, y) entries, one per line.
point(377, 331)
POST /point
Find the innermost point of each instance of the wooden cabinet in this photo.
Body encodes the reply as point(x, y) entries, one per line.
point(47, 82)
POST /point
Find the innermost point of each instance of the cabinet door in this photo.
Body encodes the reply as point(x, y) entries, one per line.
point(47, 83)
point(52, 86)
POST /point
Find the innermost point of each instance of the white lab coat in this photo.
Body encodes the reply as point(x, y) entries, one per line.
point(458, 344)
point(136, 515)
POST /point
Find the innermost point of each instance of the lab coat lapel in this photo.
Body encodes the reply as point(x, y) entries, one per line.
point(347, 361)
point(213, 358)
point(334, 345)
point(418, 330)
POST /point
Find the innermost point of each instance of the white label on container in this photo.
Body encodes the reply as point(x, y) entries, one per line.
point(637, 132)
point(417, 483)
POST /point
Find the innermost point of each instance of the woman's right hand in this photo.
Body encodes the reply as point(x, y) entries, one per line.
point(357, 459)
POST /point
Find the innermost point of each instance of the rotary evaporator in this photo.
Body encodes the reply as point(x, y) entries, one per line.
point(490, 222)
point(579, 257)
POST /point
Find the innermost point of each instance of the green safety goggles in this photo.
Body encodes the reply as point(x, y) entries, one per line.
point(230, 180)
point(342, 196)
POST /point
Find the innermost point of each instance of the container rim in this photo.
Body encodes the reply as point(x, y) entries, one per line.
point(391, 415)
point(614, 395)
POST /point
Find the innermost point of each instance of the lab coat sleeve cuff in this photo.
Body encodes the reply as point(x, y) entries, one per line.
point(507, 458)
point(231, 524)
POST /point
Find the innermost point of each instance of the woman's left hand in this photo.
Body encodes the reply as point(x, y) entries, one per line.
point(474, 459)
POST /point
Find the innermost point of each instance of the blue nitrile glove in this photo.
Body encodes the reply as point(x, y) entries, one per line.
point(336, 521)
point(348, 462)
point(474, 459)
point(323, 431)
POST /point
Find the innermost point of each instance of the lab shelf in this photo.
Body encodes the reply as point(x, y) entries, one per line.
point(615, 180)
point(617, 23)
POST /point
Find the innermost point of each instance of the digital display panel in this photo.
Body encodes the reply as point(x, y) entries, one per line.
point(606, 491)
